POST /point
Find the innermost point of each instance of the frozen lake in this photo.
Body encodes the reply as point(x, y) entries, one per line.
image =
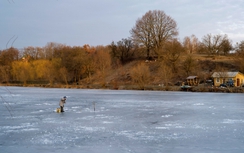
point(123, 121)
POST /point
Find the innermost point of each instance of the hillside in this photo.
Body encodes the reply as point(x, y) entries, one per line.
point(120, 77)
point(204, 66)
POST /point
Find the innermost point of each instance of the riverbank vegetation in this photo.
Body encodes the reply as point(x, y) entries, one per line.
point(153, 58)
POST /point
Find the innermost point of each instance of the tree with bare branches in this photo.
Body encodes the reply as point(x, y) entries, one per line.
point(239, 56)
point(165, 71)
point(191, 44)
point(124, 50)
point(64, 74)
point(239, 48)
point(189, 65)
point(170, 53)
point(216, 44)
point(153, 30)
point(8, 56)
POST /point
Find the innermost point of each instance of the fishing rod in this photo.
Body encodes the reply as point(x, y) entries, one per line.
point(93, 103)
point(7, 106)
point(12, 1)
point(5, 103)
point(11, 96)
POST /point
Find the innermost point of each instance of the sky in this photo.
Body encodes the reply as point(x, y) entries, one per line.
point(35, 23)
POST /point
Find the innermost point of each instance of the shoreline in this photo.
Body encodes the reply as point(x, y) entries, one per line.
point(135, 87)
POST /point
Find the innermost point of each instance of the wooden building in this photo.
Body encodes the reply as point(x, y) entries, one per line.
point(192, 80)
point(224, 77)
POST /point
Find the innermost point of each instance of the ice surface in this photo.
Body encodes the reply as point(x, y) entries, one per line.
point(123, 121)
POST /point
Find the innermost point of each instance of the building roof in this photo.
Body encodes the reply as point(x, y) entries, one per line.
point(192, 77)
point(224, 74)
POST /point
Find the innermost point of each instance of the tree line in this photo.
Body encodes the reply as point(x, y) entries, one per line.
point(154, 37)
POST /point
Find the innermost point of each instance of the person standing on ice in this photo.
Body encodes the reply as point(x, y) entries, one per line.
point(61, 103)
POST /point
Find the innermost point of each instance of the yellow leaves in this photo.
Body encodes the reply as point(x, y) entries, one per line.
point(21, 71)
point(38, 69)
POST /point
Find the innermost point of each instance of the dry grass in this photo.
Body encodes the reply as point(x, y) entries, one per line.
point(120, 78)
point(219, 58)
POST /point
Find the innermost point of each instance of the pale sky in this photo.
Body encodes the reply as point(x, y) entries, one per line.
point(34, 23)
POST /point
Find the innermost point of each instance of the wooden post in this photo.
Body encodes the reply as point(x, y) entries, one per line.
point(94, 106)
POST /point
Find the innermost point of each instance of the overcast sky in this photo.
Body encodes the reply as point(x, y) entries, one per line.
point(26, 23)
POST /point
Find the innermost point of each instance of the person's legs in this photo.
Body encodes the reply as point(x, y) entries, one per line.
point(62, 109)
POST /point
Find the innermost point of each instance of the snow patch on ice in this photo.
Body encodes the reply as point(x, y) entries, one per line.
point(87, 118)
point(198, 104)
point(231, 121)
point(89, 110)
point(93, 129)
point(19, 117)
point(174, 125)
point(166, 116)
point(196, 126)
point(30, 129)
point(75, 107)
point(47, 104)
point(179, 127)
point(163, 128)
point(47, 141)
point(212, 107)
point(21, 128)
point(104, 117)
point(107, 122)
point(140, 135)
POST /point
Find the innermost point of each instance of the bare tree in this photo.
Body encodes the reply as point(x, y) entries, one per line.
point(50, 72)
point(216, 44)
point(8, 56)
point(165, 71)
point(226, 46)
point(88, 66)
point(239, 56)
point(124, 50)
point(64, 74)
point(191, 44)
point(103, 62)
point(239, 48)
point(50, 48)
point(170, 53)
point(30, 52)
point(153, 29)
point(188, 65)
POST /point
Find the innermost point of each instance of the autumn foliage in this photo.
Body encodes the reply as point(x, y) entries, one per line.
point(159, 57)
